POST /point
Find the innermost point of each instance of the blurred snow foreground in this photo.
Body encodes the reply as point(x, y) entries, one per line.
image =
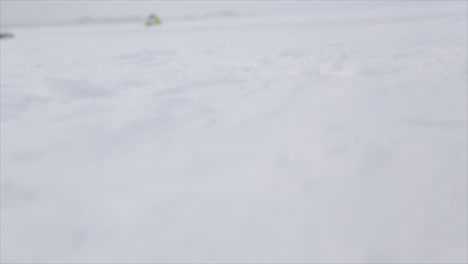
point(255, 139)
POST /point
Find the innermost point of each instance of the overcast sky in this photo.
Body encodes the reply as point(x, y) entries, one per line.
point(47, 11)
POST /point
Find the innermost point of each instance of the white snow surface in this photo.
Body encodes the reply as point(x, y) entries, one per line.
point(263, 139)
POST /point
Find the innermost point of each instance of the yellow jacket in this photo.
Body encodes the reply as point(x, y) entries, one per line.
point(153, 21)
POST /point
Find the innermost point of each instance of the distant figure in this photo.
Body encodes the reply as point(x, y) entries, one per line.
point(6, 35)
point(153, 20)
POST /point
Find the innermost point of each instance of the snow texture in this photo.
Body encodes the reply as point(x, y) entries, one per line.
point(261, 139)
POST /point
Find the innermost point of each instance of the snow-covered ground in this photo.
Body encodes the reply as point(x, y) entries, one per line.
point(334, 137)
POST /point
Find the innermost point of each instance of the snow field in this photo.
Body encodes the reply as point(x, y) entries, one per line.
point(251, 140)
